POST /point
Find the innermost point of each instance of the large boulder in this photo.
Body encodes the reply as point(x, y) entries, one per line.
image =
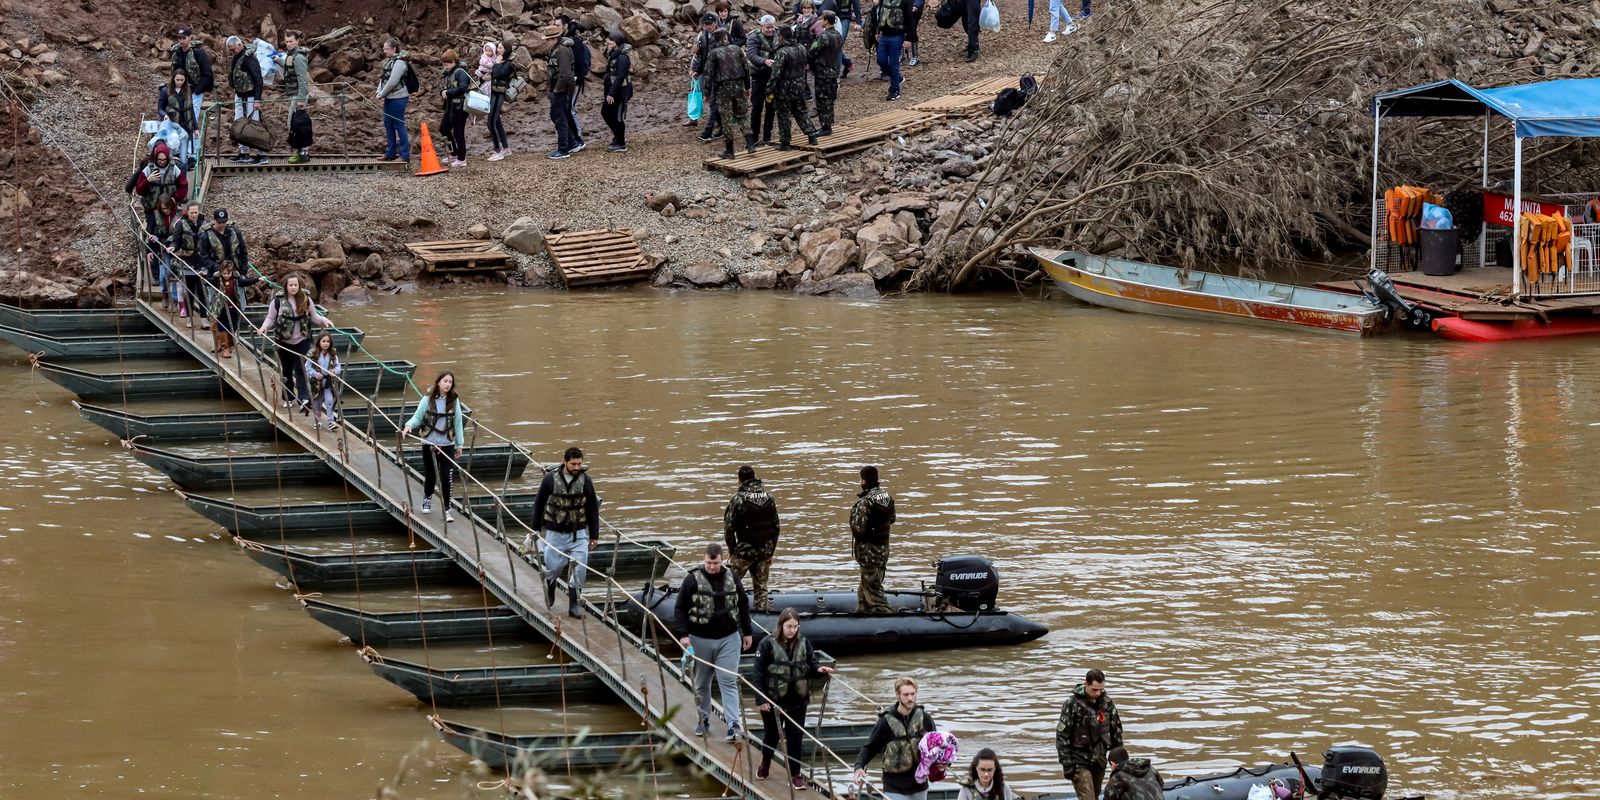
point(506, 8)
point(370, 267)
point(835, 259)
point(347, 63)
point(758, 279)
point(900, 201)
point(812, 243)
point(884, 235)
point(95, 295)
point(525, 235)
point(604, 18)
point(661, 8)
point(354, 295)
point(661, 200)
point(705, 274)
point(851, 284)
point(404, 268)
point(332, 249)
point(478, 230)
point(330, 284)
point(640, 31)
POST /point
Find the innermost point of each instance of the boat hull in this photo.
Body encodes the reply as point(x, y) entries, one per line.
point(245, 425)
point(1096, 281)
point(830, 623)
point(357, 571)
point(213, 473)
point(382, 629)
point(66, 348)
point(74, 321)
point(367, 377)
point(1466, 330)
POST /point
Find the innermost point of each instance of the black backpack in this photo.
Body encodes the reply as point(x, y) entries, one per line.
point(582, 59)
point(409, 80)
point(1011, 99)
point(300, 129)
point(949, 13)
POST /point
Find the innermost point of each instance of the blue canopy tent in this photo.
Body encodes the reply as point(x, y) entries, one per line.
point(1568, 108)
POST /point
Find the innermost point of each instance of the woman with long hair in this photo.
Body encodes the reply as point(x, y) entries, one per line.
point(289, 324)
point(176, 103)
point(324, 369)
point(786, 665)
point(157, 259)
point(985, 780)
point(438, 420)
point(500, 78)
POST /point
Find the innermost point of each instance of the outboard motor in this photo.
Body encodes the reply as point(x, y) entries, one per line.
point(1354, 772)
point(969, 583)
point(1383, 293)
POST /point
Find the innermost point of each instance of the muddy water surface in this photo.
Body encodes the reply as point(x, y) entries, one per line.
point(1269, 541)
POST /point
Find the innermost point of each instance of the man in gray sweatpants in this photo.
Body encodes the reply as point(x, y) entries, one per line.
point(712, 616)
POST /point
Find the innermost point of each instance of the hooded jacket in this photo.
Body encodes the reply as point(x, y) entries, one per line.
point(751, 518)
point(618, 81)
point(1135, 780)
point(563, 74)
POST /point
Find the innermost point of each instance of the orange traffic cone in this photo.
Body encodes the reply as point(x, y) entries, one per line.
point(430, 158)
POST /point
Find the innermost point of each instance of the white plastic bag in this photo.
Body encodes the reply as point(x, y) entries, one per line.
point(175, 137)
point(264, 53)
point(477, 102)
point(989, 18)
point(1260, 791)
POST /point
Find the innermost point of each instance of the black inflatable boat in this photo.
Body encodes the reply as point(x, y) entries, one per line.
point(958, 611)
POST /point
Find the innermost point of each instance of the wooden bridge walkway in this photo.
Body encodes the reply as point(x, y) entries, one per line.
point(622, 660)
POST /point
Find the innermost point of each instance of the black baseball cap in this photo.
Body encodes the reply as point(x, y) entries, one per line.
point(182, 32)
point(220, 215)
point(708, 19)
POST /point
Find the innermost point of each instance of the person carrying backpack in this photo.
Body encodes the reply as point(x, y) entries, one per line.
point(582, 62)
point(396, 83)
point(885, 32)
point(296, 84)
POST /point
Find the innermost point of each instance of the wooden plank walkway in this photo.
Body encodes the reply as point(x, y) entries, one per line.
point(846, 140)
point(955, 105)
point(597, 257)
point(900, 120)
point(1478, 293)
point(619, 659)
point(222, 167)
point(460, 255)
point(764, 161)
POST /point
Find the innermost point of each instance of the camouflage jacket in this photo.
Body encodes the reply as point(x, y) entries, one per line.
point(1087, 730)
point(750, 521)
point(872, 515)
point(1135, 780)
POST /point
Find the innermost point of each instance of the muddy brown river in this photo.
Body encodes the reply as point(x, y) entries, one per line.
point(1269, 541)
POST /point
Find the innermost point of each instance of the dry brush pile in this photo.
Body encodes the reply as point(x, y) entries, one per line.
point(1237, 134)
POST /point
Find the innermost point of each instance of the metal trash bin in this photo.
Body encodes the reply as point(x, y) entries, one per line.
point(1438, 247)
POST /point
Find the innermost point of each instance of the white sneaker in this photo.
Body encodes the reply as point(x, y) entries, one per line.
point(1067, 31)
point(449, 517)
point(427, 505)
point(496, 157)
point(1049, 37)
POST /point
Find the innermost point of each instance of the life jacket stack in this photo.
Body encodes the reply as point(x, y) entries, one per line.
point(1544, 241)
point(1403, 212)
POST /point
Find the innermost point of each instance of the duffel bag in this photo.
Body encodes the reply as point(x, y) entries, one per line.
point(251, 133)
point(949, 13)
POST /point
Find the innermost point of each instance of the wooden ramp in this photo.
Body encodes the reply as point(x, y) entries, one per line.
point(460, 255)
point(222, 167)
point(989, 87)
point(956, 105)
point(900, 120)
point(764, 161)
point(626, 663)
point(597, 257)
point(846, 140)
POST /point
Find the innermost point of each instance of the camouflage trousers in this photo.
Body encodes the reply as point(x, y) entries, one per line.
point(734, 108)
point(874, 559)
point(827, 92)
point(1086, 782)
point(792, 105)
point(757, 561)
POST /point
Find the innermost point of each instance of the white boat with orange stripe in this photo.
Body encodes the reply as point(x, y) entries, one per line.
point(1153, 289)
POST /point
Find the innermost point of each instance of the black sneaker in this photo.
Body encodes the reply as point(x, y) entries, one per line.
point(893, 96)
point(579, 146)
point(848, 65)
point(827, 130)
point(557, 154)
point(705, 136)
point(972, 56)
point(239, 158)
point(616, 148)
point(574, 603)
point(260, 159)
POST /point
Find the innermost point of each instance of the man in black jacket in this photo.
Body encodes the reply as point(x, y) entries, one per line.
point(244, 76)
point(618, 86)
point(188, 55)
point(761, 47)
point(750, 529)
point(563, 81)
point(712, 618)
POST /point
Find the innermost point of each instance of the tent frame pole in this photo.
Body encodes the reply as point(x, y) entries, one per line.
point(1483, 224)
point(1377, 133)
point(1516, 220)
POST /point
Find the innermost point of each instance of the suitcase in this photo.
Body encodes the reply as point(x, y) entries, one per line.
point(251, 133)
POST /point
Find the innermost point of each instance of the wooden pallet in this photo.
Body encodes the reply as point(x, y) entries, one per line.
point(956, 105)
point(461, 255)
point(221, 166)
point(990, 87)
point(593, 258)
point(765, 161)
point(846, 139)
point(901, 120)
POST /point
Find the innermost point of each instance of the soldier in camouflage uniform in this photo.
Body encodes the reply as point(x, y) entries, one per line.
point(1089, 727)
point(789, 78)
point(824, 56)
point(729, 77)
point(750, 528)
point(1131, 778)
point(870, 519)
